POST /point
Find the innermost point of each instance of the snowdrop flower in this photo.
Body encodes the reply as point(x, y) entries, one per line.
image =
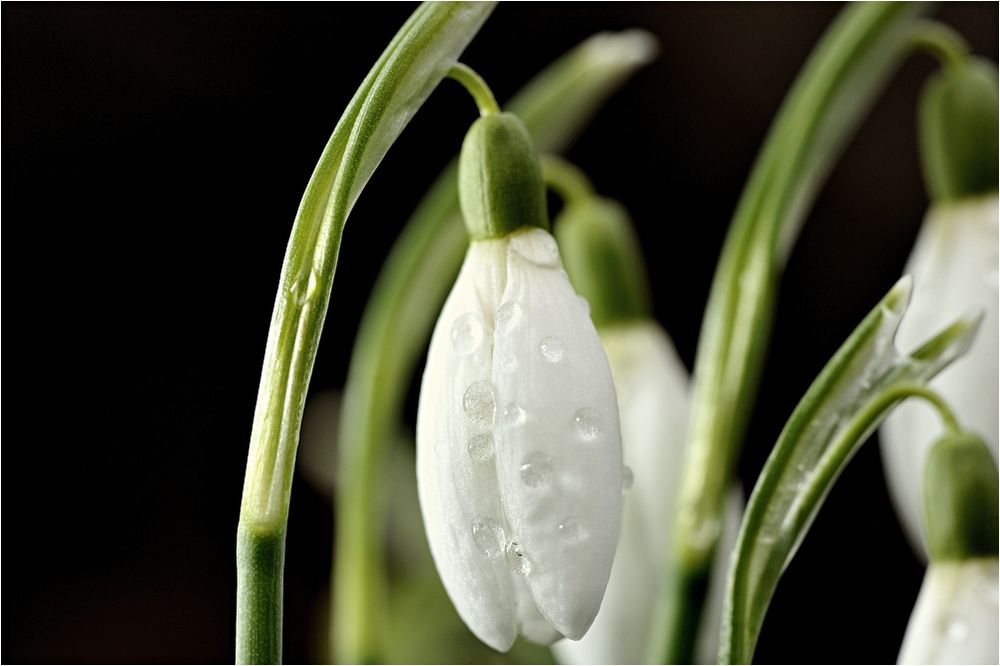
point(605, 262)
point(954, 268)
point(518, 443)
point(956, 617)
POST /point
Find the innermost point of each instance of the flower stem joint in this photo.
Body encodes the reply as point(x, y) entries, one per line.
point(519, 462)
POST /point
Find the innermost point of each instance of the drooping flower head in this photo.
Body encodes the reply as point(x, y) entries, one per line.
point(518, 442)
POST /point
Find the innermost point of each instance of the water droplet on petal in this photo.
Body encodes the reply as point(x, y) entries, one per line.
point(585, 304)
point(489, 538)
point(537, 246)
point(551, 348)
point(467, 334)
point(479, 404)
point(588, 424)
point(509, 316)
point(570, 531)
point(627, 477)
point(536, 469)
point(958, 630)
point(481, 447)
point(517, 560)
point(513, 415)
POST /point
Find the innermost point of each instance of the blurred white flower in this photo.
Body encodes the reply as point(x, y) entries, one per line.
point(518, 447)
point(954, 268)
point(653, 398)
point(955, 620)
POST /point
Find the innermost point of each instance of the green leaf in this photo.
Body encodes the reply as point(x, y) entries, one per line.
point(842, 78)
point(415, 61)
point(847, 401)
point(401, 312)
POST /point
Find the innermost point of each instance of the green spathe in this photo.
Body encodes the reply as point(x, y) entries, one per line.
point(960, 499)
point(958, 130)
point(500, 183)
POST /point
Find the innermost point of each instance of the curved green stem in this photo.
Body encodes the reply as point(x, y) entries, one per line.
point(476, 86)
point(941, 41)
point(408, 70)
point(405, 301)
point(843, 406)
point(566, 179)
point(902, 391)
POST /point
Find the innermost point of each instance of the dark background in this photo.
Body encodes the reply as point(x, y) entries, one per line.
point(154, 157)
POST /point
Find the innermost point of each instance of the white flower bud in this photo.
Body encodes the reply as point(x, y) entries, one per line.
point(519, 461)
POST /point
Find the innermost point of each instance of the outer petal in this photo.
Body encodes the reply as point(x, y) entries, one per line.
point(652, 386)
point(456, 472)
point(954, 267)
point(956, 618)
point(558, 441)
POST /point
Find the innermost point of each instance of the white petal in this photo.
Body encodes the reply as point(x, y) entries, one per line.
point(954, 268)
point(652, 386)
point(956, 617)
point(456, 472)
point(558, 439)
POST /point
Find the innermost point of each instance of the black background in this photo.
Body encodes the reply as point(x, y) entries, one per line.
point(153, 160)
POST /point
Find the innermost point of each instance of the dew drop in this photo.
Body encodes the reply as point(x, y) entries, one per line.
point(481, 447)
point(571, 531)
point(479, 404)
point(551, 348)
point(467, 334)
point(489, 538)
point(536, 469)
point(958, 630)
point(513, 415)
point(537, 246)
point(588, 424)
point(517, 560)
point(585, 304)
point(627, 477)
point(509, 316)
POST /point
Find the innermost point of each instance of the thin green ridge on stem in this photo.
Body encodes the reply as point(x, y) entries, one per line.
point(841, 79)
point(856, 389)
point(401, 312)
point(415, 61)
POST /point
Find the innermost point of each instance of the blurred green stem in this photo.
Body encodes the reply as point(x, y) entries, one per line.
point(841, 79)
point(397, 322)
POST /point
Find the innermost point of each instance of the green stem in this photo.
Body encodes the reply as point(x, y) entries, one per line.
point(566, 179)
point(888, 398)
point(405, 301)
point(415, 61)
point(476, 86)
point(941, 41)
point(842, 78)
point(260, 557)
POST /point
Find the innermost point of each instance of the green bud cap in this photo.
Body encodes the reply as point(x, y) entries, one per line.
point(960, 498)
point(959, 130)
point(603, 259)
point(500, 184)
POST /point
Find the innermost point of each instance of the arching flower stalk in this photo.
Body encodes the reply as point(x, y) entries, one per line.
point(518, 442)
